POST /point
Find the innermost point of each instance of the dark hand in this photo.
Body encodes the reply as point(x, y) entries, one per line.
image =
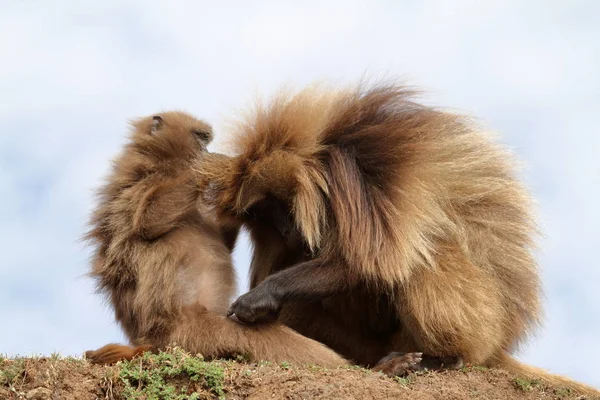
point(258, 305)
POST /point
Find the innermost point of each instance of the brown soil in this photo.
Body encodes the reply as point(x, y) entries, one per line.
point(67, 378)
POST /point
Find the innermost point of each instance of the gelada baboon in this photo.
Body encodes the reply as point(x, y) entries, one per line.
point(166, 265)
point(383, 228)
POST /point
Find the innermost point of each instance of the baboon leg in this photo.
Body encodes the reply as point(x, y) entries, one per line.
point(349, 340)
point(215, 336)
point(454, 315)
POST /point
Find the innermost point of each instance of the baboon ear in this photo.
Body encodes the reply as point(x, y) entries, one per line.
point(157, 123)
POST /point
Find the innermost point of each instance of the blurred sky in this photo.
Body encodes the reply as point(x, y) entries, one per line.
point(73, 72)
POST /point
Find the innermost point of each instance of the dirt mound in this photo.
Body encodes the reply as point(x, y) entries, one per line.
point(176, 375)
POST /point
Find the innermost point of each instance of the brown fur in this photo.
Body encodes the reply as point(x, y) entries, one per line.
point(165, 265)
point(416, 235)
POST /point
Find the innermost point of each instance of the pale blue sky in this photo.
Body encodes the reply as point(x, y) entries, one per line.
point(73, 72)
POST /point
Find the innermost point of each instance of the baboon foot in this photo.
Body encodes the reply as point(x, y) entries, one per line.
point(397, 364)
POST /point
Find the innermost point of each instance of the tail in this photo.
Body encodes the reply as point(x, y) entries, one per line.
point(506, 362)
point(111, 353)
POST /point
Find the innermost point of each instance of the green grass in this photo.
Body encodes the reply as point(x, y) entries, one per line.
point(151, 377)
point(11, 372)
point(247, 372)
point(477, 368)
point(242, 358)
point(524, 384)
point(285, 365)
point(357, 368)
point(316, 368)
point(404, 380)
point(563, 392)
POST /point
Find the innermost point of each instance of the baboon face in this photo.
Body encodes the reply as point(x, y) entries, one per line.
point(273, 212)
point(171, 134)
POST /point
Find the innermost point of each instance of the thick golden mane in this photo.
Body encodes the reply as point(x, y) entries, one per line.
point(391, 174)
point(421, 232)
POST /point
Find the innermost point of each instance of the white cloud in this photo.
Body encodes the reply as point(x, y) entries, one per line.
point(73, 72)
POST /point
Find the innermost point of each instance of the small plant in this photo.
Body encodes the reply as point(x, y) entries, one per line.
point(74, 360)
point(148, 377)
point(563, 392)
point(10, 372)
point(477, 368)
point(404, 380)
point(525, 385)
point(242, 358)
point(315, 368)
point(357, 368)
point(264, 363)
point(285, 365)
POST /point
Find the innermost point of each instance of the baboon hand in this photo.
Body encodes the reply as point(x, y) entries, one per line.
point(258, 305)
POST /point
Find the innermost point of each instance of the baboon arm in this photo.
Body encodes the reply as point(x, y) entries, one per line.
point(310, 280)
point(307, 281)
point(213, 168)
point(163, 206)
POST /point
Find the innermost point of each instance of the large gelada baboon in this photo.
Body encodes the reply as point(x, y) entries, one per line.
point(383, 228)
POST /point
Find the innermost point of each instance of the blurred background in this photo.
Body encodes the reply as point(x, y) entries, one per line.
point(73, 72)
